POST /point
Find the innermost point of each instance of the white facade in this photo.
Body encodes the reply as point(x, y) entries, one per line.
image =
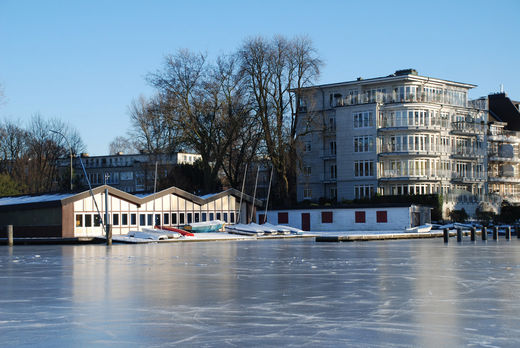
point(171, 207)
point(395, 135)
point(382, 218)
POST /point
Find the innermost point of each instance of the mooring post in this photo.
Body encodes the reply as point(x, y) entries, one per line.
point(459, 234)
point(109, 234)
point(495, 232)
point(508, 232)
point(446, 233)
point(473, 231)
point(484, 233)
point(10, 235)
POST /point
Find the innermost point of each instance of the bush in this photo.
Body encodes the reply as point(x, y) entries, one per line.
point(458, 215)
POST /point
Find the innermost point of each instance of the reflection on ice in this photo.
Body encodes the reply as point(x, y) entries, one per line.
point(273, 292)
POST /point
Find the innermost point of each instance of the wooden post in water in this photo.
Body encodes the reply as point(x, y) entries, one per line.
point(109, 234)
point(495, 233)
point(473, 231)
point(484, 233)
point(459, 234)
point(508, 232)
point(10, 235)
point(446, 234)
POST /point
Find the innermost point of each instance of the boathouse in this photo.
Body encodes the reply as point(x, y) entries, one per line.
point(72, 215)
point(388, 217)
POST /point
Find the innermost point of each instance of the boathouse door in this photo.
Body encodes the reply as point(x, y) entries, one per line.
point(306, 221)
point(416, 219)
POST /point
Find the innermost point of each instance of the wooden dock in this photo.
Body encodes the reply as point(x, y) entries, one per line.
point(383, 236)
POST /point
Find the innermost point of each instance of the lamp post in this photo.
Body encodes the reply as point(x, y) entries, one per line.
point(70, 148)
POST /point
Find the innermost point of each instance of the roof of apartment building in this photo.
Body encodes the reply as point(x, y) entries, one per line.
point(405, 74)
point(503, 109)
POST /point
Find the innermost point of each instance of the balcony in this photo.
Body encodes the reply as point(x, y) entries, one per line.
point(505, 136)
point(327, 179)
point(402, 175)
point(497, 157)
point(468, 128)
point(398, 150)
point(392, 97)
point(505, 179)
point(327, 155)
point(467, 178)
point(464, 152)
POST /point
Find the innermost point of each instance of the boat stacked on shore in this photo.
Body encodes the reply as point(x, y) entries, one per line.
point(253, 229)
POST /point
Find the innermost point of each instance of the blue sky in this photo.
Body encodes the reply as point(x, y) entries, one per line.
point(84, 61)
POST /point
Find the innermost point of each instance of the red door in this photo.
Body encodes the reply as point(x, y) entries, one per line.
point(306, 221)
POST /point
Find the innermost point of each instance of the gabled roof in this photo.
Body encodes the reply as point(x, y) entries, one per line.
point(67, 198)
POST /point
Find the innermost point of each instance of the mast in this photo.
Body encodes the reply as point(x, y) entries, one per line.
point(268, 193)
point(254, 195)
point(241, 195)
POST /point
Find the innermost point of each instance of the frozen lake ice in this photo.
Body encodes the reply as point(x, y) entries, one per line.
point(262, 293)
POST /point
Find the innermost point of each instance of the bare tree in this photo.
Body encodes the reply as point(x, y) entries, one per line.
point(275, 70)
point(121, 144)
point(206, 106)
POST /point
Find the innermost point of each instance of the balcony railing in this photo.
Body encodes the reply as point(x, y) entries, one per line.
point(327, 154)
point(431, 175)
point(391, 97)
point(432, 150)
point(499, 178)
point(464, 127)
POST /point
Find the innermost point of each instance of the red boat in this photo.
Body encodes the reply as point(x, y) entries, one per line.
point(173, 229)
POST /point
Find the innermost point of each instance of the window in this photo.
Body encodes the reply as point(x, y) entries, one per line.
point(97, 220)
point(381, 216)
point(225, 217)
point(115, 219)
point(261, 219)
point(88, 220)
point(360, 217)
point(133, 219)
point(307, 193)
point(363, 119)
point(283, 218)
point(181, 218)
point(363, 191)
point(166, 218)
point(211, 216)
point(307, 146)
point(142, 219)
point(326, 217)
point(190, 218)
point(174, 219)
point(232, 217)
point(218, 216)
point(79, 220)
point(149, 219)
point(364, 144)
point(124, 219)
point(332, 147)
point(204, 216)
point(157, 219)
point(364, 168)
point(333, 171)
point(307, 171)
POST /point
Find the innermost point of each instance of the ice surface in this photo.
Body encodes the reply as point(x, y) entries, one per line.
point(294, 292)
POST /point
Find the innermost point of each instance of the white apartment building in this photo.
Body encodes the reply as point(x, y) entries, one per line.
point(395, 135)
